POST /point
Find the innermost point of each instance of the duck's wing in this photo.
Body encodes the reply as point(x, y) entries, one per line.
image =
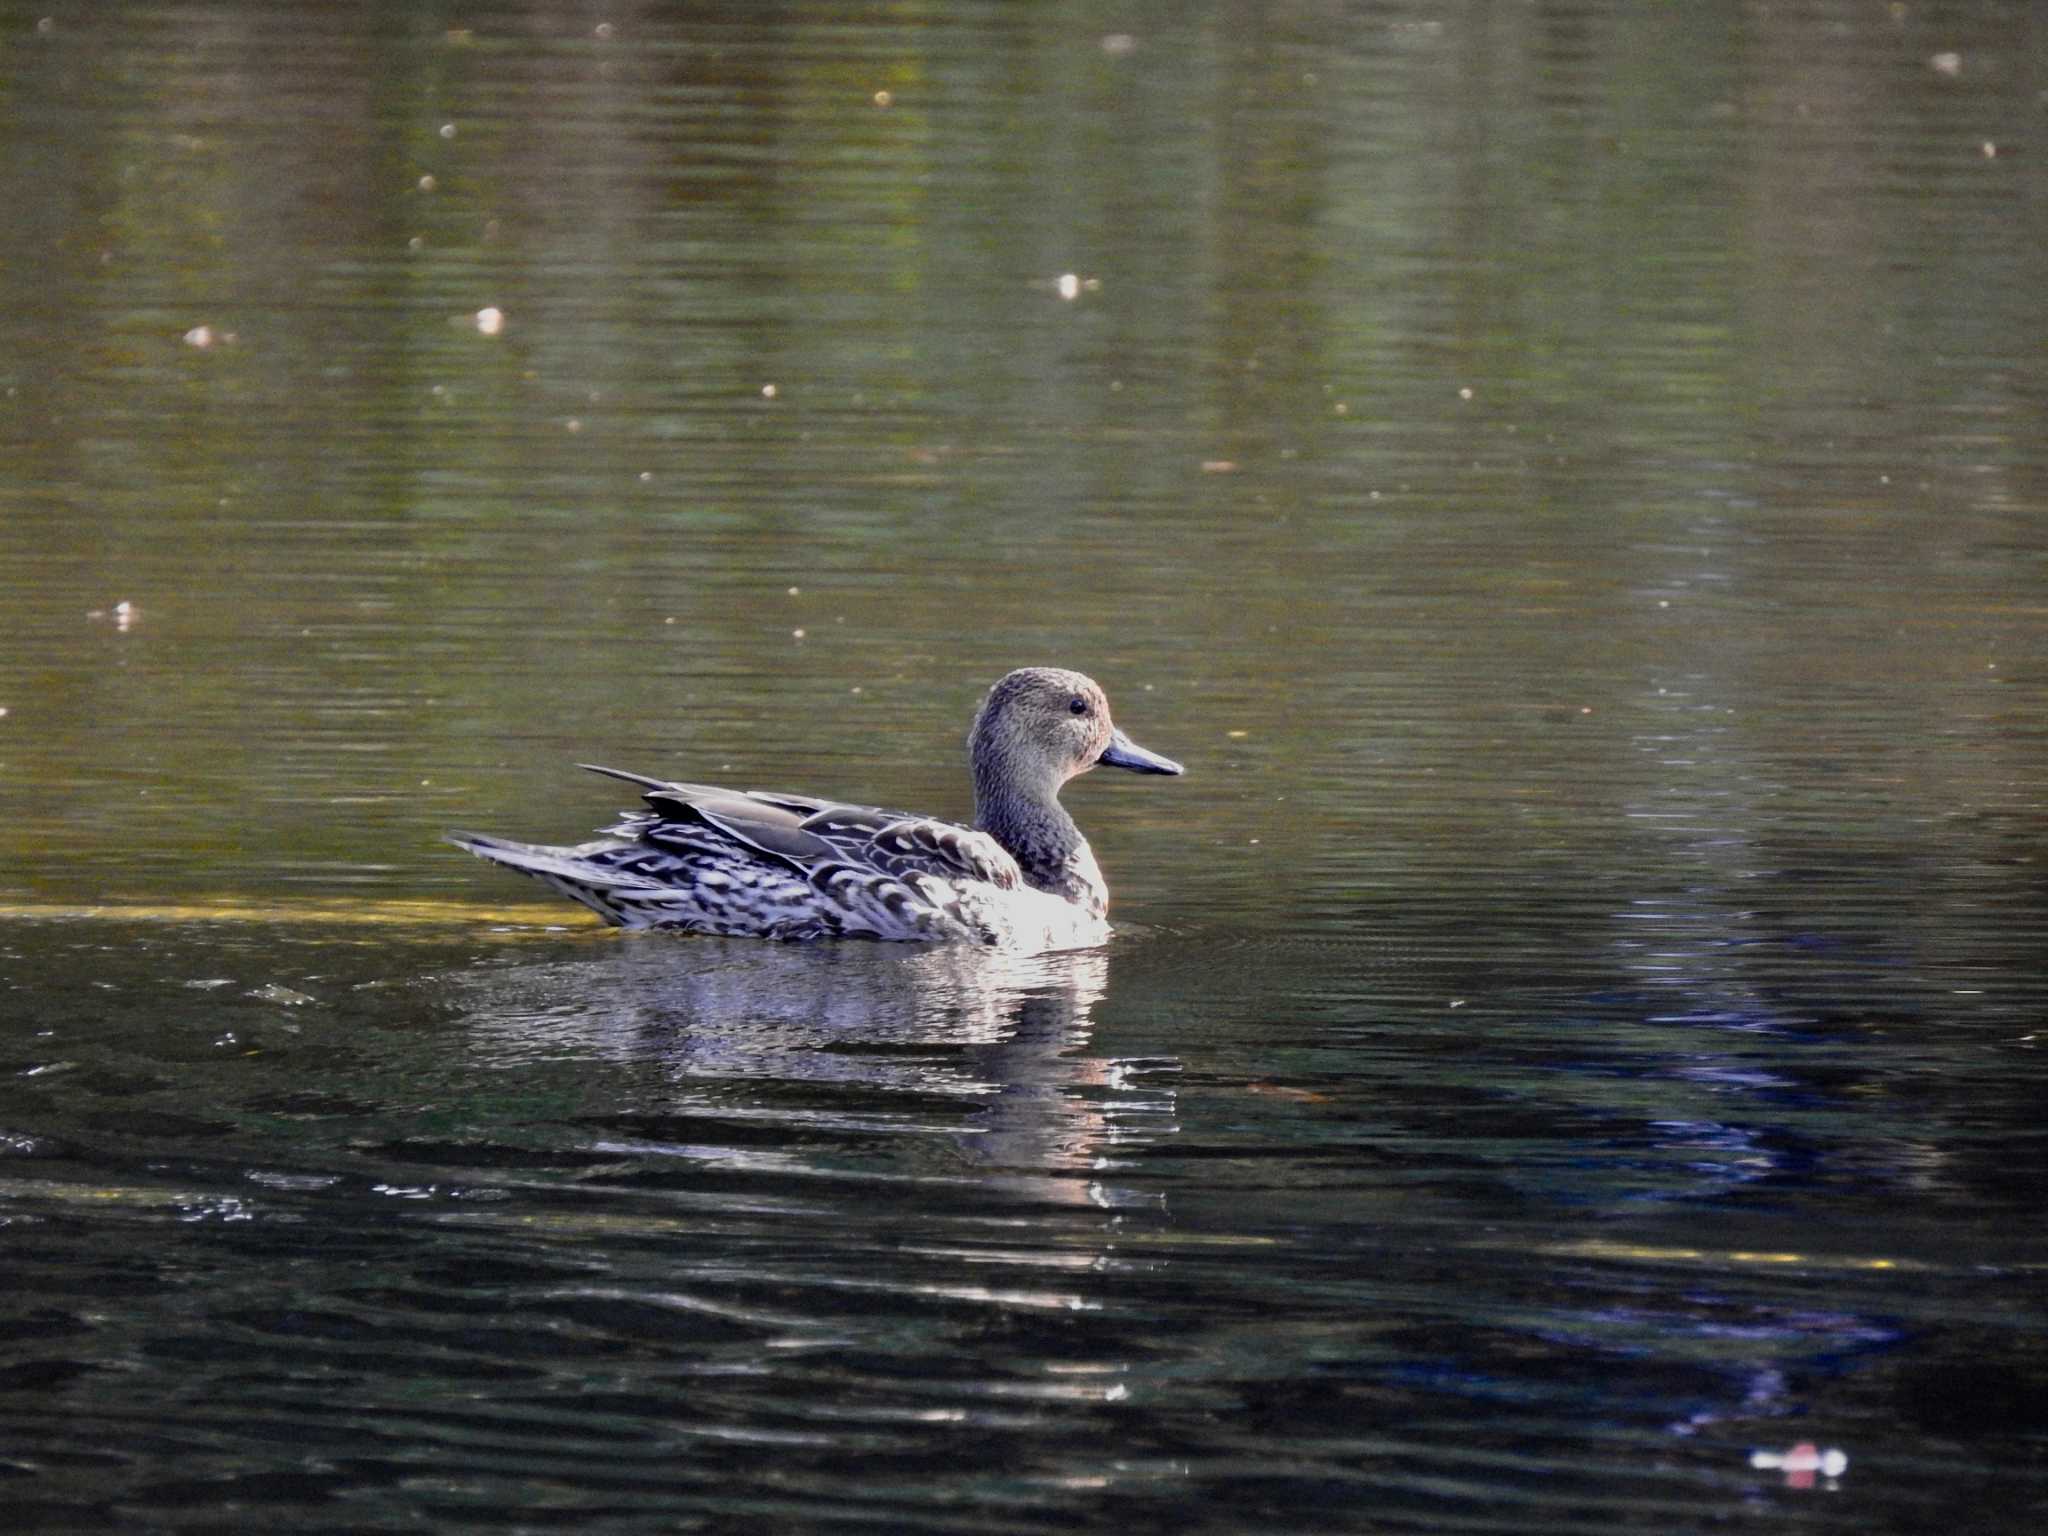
point(682, 799)
point(913, 845)
point(809, 834)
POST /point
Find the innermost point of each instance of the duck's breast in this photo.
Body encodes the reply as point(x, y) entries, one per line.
point(1025, 919)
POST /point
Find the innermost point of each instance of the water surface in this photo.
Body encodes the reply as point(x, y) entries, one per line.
point(1567, 480)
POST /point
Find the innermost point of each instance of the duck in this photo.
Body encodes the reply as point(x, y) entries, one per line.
point(751, 863)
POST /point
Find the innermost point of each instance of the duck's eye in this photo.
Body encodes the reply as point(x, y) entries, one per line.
point(1077, 706)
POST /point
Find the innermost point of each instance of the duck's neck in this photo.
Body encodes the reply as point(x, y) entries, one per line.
point(1042, 838)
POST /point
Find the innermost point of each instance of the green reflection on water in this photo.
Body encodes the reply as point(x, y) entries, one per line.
point(1471, 439)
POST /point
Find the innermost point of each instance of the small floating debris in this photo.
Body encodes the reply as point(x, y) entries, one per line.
point(200, 336)
point(490, 320)
point(125, 615)
point(1801, 1463)
point(1946, 63)
point(1071, 285)
point(883, 99)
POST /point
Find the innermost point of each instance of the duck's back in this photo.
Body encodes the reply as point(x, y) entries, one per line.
point(706, 859)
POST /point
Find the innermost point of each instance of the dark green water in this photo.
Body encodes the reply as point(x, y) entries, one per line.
point(1568, 480)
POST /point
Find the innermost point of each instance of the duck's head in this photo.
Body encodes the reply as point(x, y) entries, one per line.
point(1040, 726)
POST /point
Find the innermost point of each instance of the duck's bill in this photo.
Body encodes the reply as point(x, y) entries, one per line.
point(1122, 752)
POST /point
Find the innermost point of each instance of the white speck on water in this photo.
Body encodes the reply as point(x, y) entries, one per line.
point(1802, 1458)
point(769, 391)
point(1069, 285)
point(287, 997)
point(447, 130)
point(490, 320)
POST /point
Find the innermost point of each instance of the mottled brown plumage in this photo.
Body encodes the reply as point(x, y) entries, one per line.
point(712, 860)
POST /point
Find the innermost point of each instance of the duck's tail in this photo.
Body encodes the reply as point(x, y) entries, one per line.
point(572, 871)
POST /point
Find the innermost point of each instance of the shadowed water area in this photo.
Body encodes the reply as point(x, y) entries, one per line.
point(1568, 480)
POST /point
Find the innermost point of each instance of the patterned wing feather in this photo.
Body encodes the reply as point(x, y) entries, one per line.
point(916, 845)
point(813, 836)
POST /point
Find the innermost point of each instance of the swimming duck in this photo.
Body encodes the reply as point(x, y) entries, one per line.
point(754, 864)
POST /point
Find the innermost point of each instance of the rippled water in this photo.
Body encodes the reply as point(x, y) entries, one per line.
point(1567, 480)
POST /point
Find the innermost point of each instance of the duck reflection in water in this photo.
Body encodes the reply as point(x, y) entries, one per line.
point(938, 1062)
